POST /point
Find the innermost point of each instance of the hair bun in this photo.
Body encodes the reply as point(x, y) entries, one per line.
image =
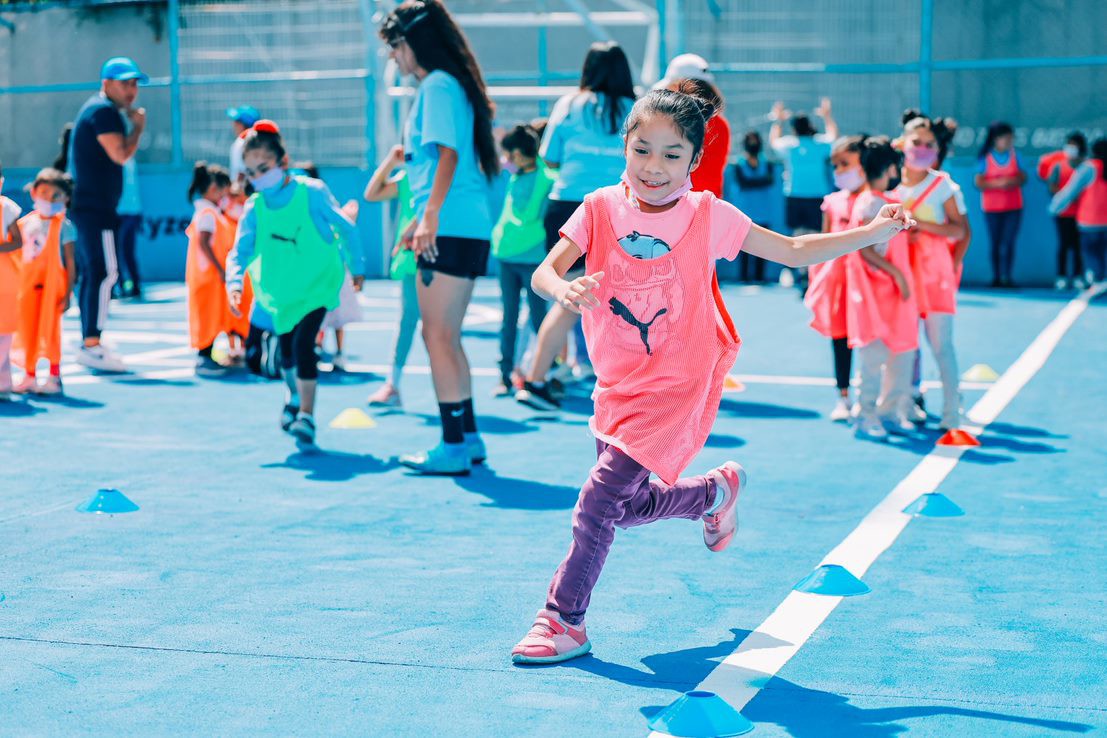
point(266, 126)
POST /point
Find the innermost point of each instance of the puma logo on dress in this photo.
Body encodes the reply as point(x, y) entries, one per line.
point(643, 328)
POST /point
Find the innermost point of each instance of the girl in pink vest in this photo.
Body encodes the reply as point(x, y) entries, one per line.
point(1089, 184)
point(826, 290)
point(882, 316)
point(663, 343)
point(1000, 179)
point(929, 196)
point(1056, 169)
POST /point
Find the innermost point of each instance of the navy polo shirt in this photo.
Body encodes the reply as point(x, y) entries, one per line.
point(98, 181)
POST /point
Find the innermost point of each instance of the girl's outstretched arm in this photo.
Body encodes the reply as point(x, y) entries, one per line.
point(814, 248)
point(380, 187)
point(16, 239)
point(548, 280)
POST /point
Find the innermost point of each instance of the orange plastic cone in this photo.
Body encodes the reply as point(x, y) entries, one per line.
point(958, 437)
point(732, 384)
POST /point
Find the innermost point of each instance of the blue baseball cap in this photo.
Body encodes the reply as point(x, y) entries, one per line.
point(244, 114)
point(122, 68)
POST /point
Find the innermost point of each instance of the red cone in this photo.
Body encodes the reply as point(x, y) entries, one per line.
point(958, 437)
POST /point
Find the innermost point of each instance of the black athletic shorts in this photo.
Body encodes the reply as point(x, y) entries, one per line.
point(804, 212)
point(459, 257)
point(557, 213)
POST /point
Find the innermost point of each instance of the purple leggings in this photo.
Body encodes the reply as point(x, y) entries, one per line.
point(618, 493)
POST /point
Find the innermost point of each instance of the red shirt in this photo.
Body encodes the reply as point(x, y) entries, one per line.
point(708, 176)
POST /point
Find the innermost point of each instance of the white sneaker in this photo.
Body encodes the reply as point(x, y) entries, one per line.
point(1079, 283)
point(899, 425)
point(386, 396)
point(869, 427)
point(1061, 284)
point(841, 412)
point(950, 420)
point(338, 361)
point(99, 358)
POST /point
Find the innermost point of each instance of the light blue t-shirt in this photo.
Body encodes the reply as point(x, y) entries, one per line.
point(442, 115)
point(806, 165)
point(577, 138)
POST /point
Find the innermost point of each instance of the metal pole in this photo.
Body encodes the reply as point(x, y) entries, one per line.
point(925, 55)
point(174, 11)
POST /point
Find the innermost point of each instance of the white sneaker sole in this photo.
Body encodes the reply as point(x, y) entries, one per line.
point(519, 658)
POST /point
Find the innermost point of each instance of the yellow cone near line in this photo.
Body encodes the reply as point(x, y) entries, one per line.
point(353, 418)
point(980, 373)
point(732, 384)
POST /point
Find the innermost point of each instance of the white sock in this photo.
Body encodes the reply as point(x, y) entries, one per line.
point(291, 395)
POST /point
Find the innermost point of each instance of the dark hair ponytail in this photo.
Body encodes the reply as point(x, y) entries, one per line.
point(522, 138)
point(606, 73)
point(684, 107)
point(267, 136)
point(437, 43)
point(995, 130)
point(943, 129)
point(205, 175)
point(877, 155)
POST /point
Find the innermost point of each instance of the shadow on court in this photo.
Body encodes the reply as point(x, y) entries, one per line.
point(812, 713)
point(743, 409)
point(518, 494)
point(333, 466)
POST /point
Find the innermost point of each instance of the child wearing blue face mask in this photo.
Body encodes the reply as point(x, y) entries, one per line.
point(47, 272)
point(296, 244)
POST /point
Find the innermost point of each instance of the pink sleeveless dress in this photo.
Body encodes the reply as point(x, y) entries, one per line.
point(661, 341)
point(875, 310)
point(826, 290)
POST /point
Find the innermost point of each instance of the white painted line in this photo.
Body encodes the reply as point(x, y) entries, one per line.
point(829, 382)
point(160, 374)
point(759, 656)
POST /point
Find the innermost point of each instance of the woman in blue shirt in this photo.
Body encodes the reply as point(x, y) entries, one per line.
point(584, 143)
point(449, 157)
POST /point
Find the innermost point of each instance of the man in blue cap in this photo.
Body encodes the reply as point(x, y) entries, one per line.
point(99, 147)
point(243, 119)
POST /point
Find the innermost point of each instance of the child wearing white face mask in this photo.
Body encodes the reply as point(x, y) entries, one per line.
point(46, 277)
point(294, 226)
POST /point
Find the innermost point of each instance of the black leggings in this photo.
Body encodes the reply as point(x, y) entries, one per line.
point(298, 345)
point(843, 361)
point(1068, 238)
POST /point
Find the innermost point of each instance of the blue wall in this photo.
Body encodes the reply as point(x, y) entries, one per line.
point(162, 242)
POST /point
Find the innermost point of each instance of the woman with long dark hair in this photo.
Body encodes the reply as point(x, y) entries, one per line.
point(584, 143)
point(449, 157)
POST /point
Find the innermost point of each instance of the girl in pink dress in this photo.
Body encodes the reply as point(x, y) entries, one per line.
point(882, 316)
point(662, 344)
point(826, 291)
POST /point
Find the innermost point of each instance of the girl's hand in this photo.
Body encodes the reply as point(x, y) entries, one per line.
point(63, 303)
point(359, 280)
point(577, 295)
point(423, 241)
point(351, 209)
point(779, 113)
point(396, 155)
point(404, 241)
point(235, 299)
point(891, 220)
point(901, 285)
point(824, 107)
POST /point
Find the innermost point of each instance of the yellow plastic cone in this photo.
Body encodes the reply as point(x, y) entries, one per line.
point(980, 373)
point(732, 384)
point(353, 418)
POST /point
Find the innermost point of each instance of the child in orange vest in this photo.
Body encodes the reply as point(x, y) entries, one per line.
point(11, 242)
point(237, 327)
point(210, 238)
point(651, 300)
point(999, 177)
point(1088, 187)
point(47, 272)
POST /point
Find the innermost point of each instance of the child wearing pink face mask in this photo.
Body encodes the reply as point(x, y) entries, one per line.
point(651, 305)
point(930, 196)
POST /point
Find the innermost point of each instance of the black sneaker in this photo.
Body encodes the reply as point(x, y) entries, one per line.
point(288, 415)
point(539, 398)
point(303, 430)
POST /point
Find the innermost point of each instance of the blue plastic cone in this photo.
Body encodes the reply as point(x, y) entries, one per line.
point(934, 505)
point(832, 580)
point(700, 715)
point(109, 501)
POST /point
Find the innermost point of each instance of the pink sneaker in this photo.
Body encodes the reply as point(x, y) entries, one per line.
point(720, 526)
point(386, 396)
point(551, 640)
